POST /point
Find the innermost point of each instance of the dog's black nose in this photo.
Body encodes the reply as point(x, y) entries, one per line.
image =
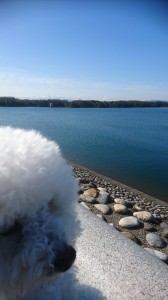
point(65, 259)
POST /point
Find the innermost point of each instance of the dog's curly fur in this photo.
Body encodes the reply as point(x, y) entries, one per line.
point(38, 224)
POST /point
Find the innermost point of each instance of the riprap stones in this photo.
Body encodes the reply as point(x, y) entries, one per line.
point(129, 222)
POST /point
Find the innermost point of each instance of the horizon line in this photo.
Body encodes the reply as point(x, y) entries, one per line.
point(79, 99)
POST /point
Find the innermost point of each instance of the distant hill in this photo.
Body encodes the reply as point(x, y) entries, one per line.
point(15, 102)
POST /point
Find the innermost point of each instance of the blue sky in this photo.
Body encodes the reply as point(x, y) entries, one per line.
point(84, 49)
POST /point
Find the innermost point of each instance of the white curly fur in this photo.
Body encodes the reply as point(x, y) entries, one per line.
point(37, 190)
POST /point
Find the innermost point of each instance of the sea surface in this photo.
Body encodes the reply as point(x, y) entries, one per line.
point(129, 145)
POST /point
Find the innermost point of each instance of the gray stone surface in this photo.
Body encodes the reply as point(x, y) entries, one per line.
point(114, 267)
point(103, 197)
point(155, 240)
point(85, 205)
point(103, 208)
point(129, 222)
point(162, 256)
point(100, 216)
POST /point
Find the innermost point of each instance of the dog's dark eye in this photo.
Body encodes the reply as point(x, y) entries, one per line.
point(16, 228)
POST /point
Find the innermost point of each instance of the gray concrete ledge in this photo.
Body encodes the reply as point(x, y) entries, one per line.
point(114, 267)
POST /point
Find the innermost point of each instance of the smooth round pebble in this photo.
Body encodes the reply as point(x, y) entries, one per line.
point(155, 240)
point(120, 208)
point(91, 192)
point(120, 201)
point(129, 222)
point(143, 215)
point(103, 208)
point(103, 197)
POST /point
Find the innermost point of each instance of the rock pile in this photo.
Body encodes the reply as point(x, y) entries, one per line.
point(132, 214)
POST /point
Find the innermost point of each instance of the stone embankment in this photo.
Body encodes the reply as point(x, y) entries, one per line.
point(138, 216)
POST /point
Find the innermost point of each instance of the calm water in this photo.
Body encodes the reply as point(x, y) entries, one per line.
point(129, 145)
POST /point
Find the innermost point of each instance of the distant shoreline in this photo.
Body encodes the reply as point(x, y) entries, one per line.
point(53, 103)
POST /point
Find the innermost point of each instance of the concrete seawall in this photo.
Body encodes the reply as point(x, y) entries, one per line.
point(112, 267)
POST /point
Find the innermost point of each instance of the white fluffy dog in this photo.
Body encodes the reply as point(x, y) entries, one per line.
point(38, 223)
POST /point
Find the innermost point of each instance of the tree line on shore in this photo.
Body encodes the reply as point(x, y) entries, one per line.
point(15, 102)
